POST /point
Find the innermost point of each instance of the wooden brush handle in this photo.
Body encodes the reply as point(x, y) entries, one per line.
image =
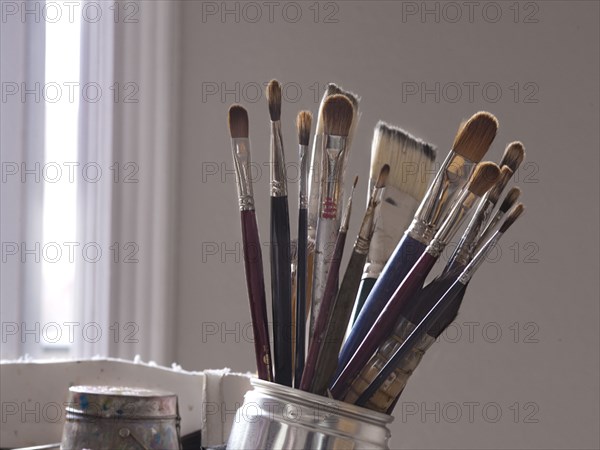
point(398, 266)
point(386, 395)
point(327, 231)
point(384, 324)
point(338, 323)
point(301, 295)
point(324, 315)
point(281, 290)
point(413, 339)
point(256, 294)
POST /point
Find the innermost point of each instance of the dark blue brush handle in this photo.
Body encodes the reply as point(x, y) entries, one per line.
point(405, 255)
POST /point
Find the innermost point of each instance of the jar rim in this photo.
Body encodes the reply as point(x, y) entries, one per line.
point(311, 399)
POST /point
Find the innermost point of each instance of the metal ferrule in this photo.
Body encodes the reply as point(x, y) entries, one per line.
point(452, 176)
point(315, 173)
point(469, 240)
point(241, 160)
point(365, 234)
point(489, 228)
point(392, 218)
point(278, 176)
point(333, 156)
point(452, 222)
point(303, 159)
point(479, 258)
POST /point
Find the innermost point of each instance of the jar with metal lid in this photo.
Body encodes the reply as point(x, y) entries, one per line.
point(275, 417)
point(109, 417)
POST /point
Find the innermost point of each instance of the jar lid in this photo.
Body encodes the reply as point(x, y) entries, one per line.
point(121, 402)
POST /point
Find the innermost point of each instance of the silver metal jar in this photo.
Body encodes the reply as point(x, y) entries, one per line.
point(108, 417)
point(275, 417)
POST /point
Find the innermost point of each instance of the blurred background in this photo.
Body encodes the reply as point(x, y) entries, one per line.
point(119, 219)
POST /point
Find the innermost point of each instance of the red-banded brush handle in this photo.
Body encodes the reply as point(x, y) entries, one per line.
point(255, 282)
point(384, 325)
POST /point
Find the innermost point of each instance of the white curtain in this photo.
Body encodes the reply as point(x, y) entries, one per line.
point(133, 129)
point(21, 148)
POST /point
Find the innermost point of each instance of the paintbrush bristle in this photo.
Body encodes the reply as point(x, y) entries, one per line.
point(410, 159)
point(238, 121)
point(484, 177)
point(303, 123)
point(513, 155)
point(274, 100)
point(333, 89)
point(475, 137)
point(503, 179)
point(355, 182)
point(511, 217)
point(337, 115)
point(510, 199)
point(383, 176)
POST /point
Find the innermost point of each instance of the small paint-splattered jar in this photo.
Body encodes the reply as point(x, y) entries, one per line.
point(109, 417)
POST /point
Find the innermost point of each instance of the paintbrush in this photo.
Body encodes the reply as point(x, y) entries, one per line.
point(281, 289)
point(316, 175)
point(331, 341)
point(337, 119)
point(468, 242)
point(410, 160)
point(384, 385)
point(509, 200)
point(240, 142)
point(316, 157)
point(432, 292)
point(470, 144)
point(329, 294)
point(483, 178)
point(303, 125)
point(514, 155)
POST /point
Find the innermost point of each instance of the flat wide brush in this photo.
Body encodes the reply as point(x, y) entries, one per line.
point(484, 176)
point(303, 124)
point(410, 160)
point(337, 118)
point(238, 127)
point(470, 144)
point(433, 315)
point(327, 303)
point(337, 324)
point(281, 278)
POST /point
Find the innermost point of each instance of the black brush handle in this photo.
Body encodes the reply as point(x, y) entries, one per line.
point(301, 295)
point(281, 289)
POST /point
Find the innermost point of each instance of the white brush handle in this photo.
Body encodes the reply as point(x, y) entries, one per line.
point(327, 231)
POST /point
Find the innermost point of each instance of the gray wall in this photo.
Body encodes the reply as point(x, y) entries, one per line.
point(542, 294)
